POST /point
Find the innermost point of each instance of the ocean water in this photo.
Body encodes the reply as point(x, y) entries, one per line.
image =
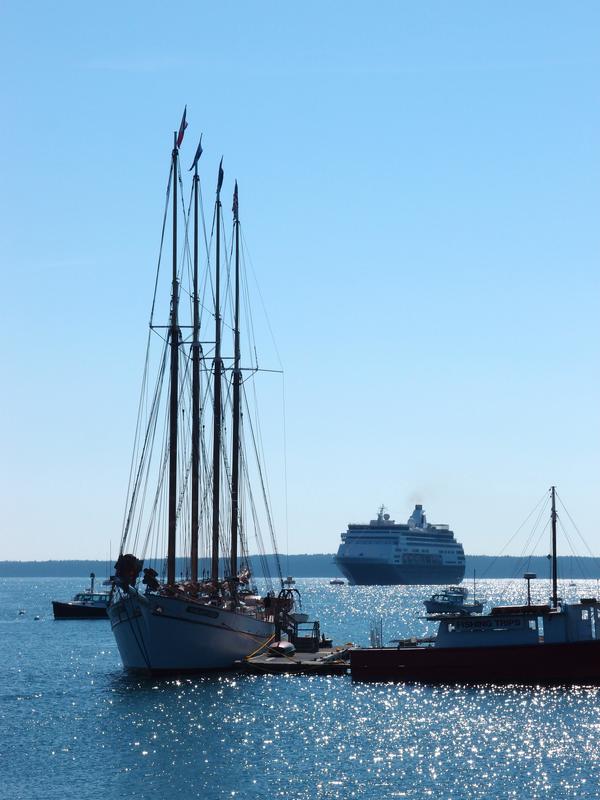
point(74, 725)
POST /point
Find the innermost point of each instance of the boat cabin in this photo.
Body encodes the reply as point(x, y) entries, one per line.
point(86, 597)
point(521, 625)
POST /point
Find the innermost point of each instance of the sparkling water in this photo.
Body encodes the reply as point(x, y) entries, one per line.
point(74, 725)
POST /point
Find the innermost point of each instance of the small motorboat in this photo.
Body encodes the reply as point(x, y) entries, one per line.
point(85, 605)
point(452, 601)
point(337, 582)
point(289, 581)
point(282, 649)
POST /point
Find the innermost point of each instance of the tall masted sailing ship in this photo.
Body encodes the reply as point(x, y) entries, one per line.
point(202, 494)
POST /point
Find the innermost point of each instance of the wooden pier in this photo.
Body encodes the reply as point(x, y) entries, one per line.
point(325, 661)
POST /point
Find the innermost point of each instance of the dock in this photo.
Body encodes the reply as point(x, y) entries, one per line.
point(325, 661)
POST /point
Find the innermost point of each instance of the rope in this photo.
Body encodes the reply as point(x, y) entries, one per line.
point(262, 647)
point(162, 239)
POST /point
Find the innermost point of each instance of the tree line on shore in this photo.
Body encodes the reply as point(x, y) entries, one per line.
point(319, 565)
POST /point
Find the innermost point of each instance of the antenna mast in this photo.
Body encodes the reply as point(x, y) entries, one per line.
point(195, 395)
point(554, 558)
point(237, 380)
point(173, 400)
point(218, 370)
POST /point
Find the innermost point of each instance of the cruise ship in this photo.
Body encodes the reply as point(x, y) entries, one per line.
point(384, 553)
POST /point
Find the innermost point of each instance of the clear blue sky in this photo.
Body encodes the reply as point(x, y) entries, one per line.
point(420, 189)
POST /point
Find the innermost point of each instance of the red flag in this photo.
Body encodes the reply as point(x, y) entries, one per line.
point(235, 203)
point(199, 152)
point(182, 128)
point(220, 178)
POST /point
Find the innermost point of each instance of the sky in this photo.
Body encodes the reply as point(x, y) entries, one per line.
point(420, 193)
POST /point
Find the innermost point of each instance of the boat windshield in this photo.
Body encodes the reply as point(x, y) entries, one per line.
point(87, 597)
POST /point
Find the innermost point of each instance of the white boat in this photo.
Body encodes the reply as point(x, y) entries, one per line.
point(451, 601)
point(84, 605)
point(383, 552)
point(157, 633)
point(163, 623)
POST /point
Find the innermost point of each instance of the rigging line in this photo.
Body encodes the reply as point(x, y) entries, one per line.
point(162, 239)
point(247, 252)
point(147, 456)
point(264, 490)
point(544, 499)
point(574, 552)
point(157, 495)
point(250, 337)
point(524, 561)
point(587, 547)
point(245, 487)
point(524, 556)
point(248, 499)
point(209, 271)
point(243, 548)
point(187, 255)
point(261, 449)
point(227, 306)
point(148, 437)
point(185, 458)
point(138, 425)
point(160, 524)
point(285, 476)
point(540, 516)
point(142, 501)
point(152, 518)
point(262, 556)
point(203, 218)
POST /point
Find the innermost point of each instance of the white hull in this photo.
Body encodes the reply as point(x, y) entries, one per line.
point(173, 634)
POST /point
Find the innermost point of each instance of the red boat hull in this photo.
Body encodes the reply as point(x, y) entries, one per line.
point(570, 662)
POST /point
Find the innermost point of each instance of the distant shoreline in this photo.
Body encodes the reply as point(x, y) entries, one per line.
point(319, 565)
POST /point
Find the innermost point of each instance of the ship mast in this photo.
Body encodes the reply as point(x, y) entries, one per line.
point(195, 386)
point(554, 558)
point(237, 380)
point(173, 404)
point(218, 370)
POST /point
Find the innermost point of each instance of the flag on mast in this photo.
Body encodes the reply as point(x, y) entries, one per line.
point(182, 128)
point(199, 152)
point(220, 178)
point(235, 203)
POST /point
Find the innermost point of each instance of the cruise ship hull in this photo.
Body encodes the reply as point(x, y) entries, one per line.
point(157, 634)
point(363, 572)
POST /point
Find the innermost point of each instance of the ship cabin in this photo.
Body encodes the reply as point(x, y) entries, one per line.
point(87, 597)
point(521, 625)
